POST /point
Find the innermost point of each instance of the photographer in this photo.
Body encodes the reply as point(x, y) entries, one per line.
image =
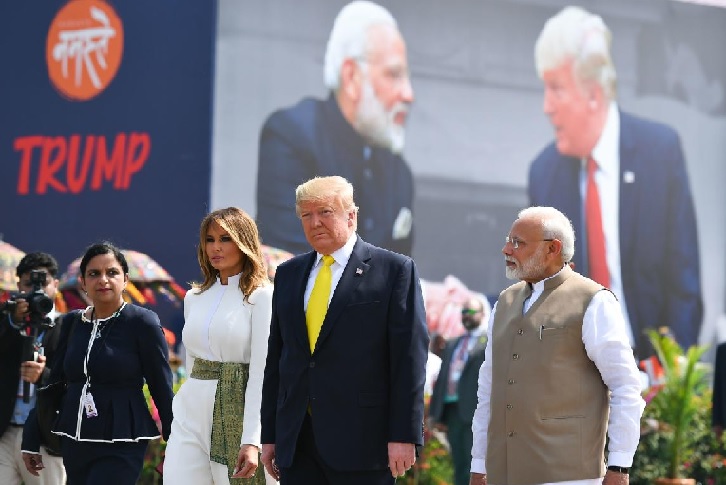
point(15, 370)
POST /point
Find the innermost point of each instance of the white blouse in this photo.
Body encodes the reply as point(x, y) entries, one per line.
point(221, 326)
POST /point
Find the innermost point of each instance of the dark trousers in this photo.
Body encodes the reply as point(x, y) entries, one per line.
point(461, 440)
point(89, 463)
point(308, 468)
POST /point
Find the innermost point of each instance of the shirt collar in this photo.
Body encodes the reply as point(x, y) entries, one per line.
point(342, 130)
point(605, 152)
point(478, 330)
point(231, 280)
point(539, 286)
point(342, 255)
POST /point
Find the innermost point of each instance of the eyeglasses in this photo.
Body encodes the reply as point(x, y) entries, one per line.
point(469, 311)
point(516, 242)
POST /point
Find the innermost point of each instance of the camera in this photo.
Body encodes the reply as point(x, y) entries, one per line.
point(39, 303)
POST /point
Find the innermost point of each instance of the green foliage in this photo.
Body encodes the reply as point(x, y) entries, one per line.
point(433, 467)
point(678, 401)
point(703, 460)
point(676, 438)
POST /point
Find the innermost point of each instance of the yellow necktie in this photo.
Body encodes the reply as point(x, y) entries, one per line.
point(318, 302)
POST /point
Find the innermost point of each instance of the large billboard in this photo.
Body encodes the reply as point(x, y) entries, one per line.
point(105, 126)
point(477, 121)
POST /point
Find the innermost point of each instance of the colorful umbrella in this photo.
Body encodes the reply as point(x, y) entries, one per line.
point(146, 279)
point(273, 258)
point(10, 256)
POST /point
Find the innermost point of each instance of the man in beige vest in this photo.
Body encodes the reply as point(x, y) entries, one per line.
point(558, 373)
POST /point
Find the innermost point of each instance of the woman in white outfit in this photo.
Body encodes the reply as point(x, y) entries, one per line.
point(215, 434)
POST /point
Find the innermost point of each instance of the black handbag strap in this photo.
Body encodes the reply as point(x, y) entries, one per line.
point(57, 360)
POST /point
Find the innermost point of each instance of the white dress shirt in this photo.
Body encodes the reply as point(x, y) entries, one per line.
point(606, 343)
point(607, 177)
point(341, 257)
point(433, 366)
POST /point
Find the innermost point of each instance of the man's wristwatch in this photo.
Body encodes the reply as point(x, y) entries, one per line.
point(619, 469)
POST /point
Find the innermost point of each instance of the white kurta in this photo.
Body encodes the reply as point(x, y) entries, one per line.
point(218, 326)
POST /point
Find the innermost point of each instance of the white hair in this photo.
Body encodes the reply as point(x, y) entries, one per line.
point(555, 225)
point(576, 35)
point(349, 37)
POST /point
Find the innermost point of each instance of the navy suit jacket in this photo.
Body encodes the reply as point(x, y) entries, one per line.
point(468, 381)
point(131, 351)
point(718, 416)
point(364, 382)
point(312, 139)
point(658, 236)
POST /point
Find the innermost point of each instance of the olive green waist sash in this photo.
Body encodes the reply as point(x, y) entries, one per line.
point(209, 370)
point(228, 414)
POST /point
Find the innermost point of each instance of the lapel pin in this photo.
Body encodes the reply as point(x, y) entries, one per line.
point(358, 271)
point(628, 177)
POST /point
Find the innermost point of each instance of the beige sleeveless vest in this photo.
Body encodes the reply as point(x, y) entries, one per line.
point(549, 405)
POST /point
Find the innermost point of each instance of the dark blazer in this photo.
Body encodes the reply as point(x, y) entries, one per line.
point(11, 356)
point(364, 382)
point(658, 235)
point(718, 418)
point(130, 351)
point(312, 139)
point(468, 382)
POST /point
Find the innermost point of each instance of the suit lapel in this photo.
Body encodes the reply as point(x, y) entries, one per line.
point(628, 209)
point(353, 274)
point(481, 343)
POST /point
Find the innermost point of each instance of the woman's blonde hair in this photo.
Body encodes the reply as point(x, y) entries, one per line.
point(243, 231)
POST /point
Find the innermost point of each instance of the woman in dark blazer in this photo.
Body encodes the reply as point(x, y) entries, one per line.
point(107, 352)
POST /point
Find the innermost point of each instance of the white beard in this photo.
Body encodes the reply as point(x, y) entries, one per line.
point(531, 269)
point(377, 125)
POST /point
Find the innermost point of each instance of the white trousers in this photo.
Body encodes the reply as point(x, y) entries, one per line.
point(187, 451)
point(12, 468)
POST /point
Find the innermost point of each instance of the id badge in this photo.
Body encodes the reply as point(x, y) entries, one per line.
point(90, 406)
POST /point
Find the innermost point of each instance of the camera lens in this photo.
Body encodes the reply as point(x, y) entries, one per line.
point(40, 303)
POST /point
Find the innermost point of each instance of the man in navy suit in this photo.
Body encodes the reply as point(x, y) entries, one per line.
point(454, 399)
point(351, 410)
point(357, 133)
point(645, 247)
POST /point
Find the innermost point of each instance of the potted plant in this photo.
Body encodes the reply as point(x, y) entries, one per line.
point(676, 404)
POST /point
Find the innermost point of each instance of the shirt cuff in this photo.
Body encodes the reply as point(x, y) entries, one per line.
point(619, 458)
point(478, 466)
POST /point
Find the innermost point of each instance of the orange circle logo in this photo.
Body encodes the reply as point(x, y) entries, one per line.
point(84, 48)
